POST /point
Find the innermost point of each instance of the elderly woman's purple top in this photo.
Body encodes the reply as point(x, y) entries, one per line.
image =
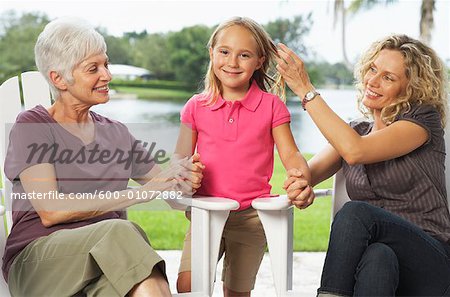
point(106, 164)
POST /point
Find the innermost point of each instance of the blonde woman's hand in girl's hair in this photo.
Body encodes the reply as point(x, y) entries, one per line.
point(293, 70)
point(298, 189)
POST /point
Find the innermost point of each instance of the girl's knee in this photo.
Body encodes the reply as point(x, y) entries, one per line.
point(184, 282)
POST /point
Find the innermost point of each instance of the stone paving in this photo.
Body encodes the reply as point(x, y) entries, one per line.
point(307, 270)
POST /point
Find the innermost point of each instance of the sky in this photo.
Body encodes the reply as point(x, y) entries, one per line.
point(163, 16)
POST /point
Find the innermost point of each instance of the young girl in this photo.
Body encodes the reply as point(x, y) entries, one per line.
point(234, 124)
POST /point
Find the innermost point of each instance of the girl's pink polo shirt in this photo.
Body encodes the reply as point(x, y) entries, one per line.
point(235, 143)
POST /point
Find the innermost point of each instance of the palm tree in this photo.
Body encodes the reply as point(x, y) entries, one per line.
point(355, 6)
point(426, 20)
point(341, 12)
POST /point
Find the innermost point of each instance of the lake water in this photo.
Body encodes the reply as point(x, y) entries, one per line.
point(159, 121)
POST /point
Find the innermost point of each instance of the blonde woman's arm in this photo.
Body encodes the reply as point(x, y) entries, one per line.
point(355, 149)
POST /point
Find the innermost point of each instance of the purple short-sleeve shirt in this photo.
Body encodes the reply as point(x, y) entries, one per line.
point(80, 174)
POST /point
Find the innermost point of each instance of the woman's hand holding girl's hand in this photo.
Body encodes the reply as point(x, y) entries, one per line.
point(298, 190)
point(182, 174)
point(195, 169)
point(293, 70)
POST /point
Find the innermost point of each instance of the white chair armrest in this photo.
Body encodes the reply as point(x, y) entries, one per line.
point(282, 202)
point(323, 192)
point(2, 208)
point(209, 203)
point(274, 203)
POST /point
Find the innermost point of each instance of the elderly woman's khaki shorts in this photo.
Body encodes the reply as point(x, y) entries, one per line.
point(244, 244)
point(103, 259)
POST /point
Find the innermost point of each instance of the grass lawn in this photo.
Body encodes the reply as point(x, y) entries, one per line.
point(166, 229)
point(156, 94)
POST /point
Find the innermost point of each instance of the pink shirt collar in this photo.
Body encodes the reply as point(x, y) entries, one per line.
point(250, 101)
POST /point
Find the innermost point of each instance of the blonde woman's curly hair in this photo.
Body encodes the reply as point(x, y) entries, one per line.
point(263, 76)
point(426, 74)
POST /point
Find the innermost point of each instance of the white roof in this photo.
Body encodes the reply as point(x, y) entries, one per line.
point(120, 69)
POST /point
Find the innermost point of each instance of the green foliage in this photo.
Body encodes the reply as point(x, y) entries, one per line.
point(324, 73)
point(181, 55)
point(18, 36)
point(118, 50)
point(291, 32)
point(315, 75)
point(360, 5)
point(151, 52)
point(189, 54)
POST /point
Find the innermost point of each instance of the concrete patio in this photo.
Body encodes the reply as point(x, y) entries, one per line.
point(307, 270)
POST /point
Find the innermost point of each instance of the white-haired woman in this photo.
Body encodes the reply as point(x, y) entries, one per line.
point(64, 246)
point(393, 238)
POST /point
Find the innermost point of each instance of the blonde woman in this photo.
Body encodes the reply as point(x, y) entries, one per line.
point(393, 238)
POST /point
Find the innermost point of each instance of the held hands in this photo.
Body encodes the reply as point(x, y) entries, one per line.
point(293, 70)
point(182, 174)
point(298, 190)
point(197, 172)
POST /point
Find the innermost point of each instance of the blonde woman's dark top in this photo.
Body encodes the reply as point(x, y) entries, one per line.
point(411, 186)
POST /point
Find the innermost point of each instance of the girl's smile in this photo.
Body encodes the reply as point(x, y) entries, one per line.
point(235, 58)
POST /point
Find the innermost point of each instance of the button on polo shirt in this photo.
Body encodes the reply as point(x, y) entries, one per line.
point(235, 143)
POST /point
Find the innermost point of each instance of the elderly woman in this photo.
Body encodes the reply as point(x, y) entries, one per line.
point(64, 246)
point(393, 238)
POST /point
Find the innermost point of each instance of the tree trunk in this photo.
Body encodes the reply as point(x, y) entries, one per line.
point(347, 63)
point(426, 20)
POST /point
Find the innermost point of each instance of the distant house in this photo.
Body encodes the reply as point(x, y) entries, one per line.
point(129, 72)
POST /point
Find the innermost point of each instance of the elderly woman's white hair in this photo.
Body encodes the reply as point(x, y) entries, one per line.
point(63, 44)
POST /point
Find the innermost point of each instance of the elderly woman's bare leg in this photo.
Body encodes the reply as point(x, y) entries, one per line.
point(154, 285)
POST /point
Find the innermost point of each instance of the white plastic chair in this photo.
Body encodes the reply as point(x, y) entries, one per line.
point(36, 90)
point(276, 215)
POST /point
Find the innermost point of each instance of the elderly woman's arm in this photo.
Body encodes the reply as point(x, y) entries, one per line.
point(41, 180)
point(355, 149)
